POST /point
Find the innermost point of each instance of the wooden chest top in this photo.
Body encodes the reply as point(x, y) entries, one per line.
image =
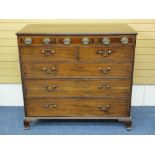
point(72, 29)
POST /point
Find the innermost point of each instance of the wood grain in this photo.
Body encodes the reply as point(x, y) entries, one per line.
point(77, 107)
point(77, 87)
point(117, 53)
point(76, 29)
point(77, 70)
point(36, 54)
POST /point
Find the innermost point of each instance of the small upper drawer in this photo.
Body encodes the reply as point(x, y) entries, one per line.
point(106, 53)
point(81, 40)
point(47, 54)
point(36, 40)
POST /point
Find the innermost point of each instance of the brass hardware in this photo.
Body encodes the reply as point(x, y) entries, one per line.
point(67, 41)
point(124, 40)
point(107, 86)
point(48, 52)
point(46, 41)
point(105, 52)
point(50, 105)
point(100, 52)
point(28, 41)
point(105, 41)
point(104, 108)
point(85, 41)
point(50, 87)
point(49, 70)
point(104, 70)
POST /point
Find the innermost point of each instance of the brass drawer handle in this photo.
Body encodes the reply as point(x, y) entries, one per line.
point(107, 86)
point(49, 70)
point(104, 70)
point(124, 40)
point(28, 41)
point(46, 41)
point(67, 41)
point(104, 108)
point(106, 40)
point(85, 41)
point(104, 53)
point(47, 52)
point(50, 87)
point(50, 106)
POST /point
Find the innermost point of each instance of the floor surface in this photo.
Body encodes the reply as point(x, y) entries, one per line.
point(11, 123)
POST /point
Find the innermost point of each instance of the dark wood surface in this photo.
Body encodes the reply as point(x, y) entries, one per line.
point(76, 29)
point(84, 53)
point(76, 40)
point(77, 70)
point(37, 54)
point(76, 80)
point(70, 88)
point(77, 107)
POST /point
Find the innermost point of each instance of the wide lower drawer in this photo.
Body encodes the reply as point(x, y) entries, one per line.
point(77, 87)
point(106, 53)
point(77, 70)
point(47, 54)
point(73, 107)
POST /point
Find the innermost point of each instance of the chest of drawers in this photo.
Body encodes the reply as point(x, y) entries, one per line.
point(77, 71)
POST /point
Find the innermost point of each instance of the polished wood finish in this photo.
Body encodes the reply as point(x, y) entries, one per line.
point(101, 53)
point(26, 124)
point(78, 70)
point(77, 81)
point(68, 29)
point(47, 54)
point(57, 40)
point(74, 107)
point(52, 53)
point(70, 88)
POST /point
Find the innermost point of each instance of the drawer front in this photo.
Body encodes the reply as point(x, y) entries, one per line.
point(72, 88)
point(47, 54)
point(48, 40)
point(77, 70)
point(107, 53)
point(74, 107)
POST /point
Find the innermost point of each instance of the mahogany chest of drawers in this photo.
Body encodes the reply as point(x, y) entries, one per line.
point(77, 71)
